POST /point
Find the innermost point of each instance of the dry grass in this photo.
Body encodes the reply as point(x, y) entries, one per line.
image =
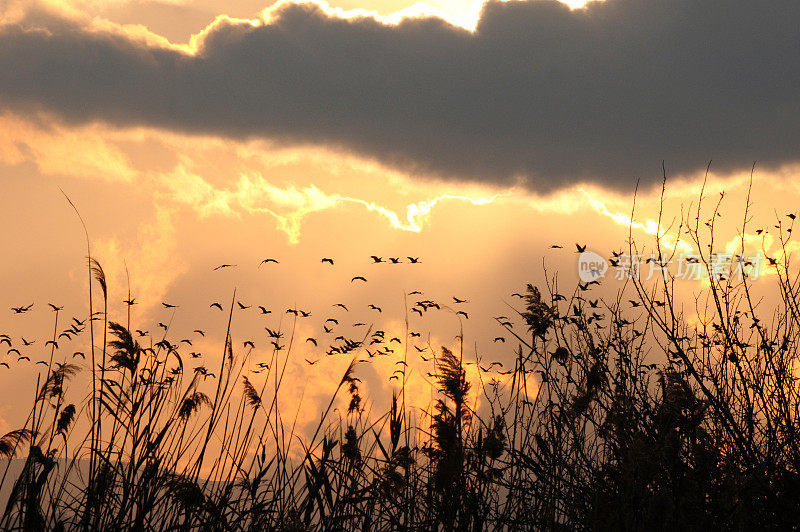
point(638, 421)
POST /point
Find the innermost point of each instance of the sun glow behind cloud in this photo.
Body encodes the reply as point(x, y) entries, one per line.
point(291, 204)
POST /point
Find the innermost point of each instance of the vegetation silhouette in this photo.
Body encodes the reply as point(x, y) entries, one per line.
point(616, 414)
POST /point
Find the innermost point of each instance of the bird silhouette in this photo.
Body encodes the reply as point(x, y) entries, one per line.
point(415, 292)
point(267, 261)
point(198, 331)
point(142, 333)
point(328, 260)
point(78, 354)
point(130, 302)
point(413, 260)
point(415, 334)
point(224, 266)
point(20, 359)
point(52, 342)
point(250, 343)
point(55, 308)
point(580, 248)
point(312, 340)
point(395, 260)
point(26, 342)
point(332, 320)
point(263, 310)
point(167, 305)
point(242, 306)
point(374, 307)
point(215, 304)
point(5, 340)
point(341, 305)
point(13, 350)
point(42, 362)
point(162, 325)
point(21, 310)
point(358, 278)
point(500, 339)
point(459, 300)
point(4, 364)
point(376, 259)
point(311, 363)
point(556, 246)
point(418, 311)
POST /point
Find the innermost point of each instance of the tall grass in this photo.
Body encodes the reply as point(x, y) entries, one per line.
point(613, 416)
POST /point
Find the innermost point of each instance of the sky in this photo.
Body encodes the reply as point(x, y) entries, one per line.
point(192, 134)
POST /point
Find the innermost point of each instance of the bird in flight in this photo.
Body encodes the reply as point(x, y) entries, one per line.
point(463, 314)
point(242, 305)
point(14, 350)
point(130, 302)
point(556, 246)
point(415, 292)
point(310, 363)
point(459, 300)
point(215, 304)
point(328, 260)
point(55, 308)
point(27, 343)
point(198, 331)
point(21, 310)
point(341, 305)
point(224, 266)
point(167, 305)
point(267, 261)
point(358, 278)
point(249, 343)
point(395, 260)
point(264, 310)
point(4, 364)
point(312, 340)
point(580, 248)
point(376, 259)
point(374, 307)
point(413, 260)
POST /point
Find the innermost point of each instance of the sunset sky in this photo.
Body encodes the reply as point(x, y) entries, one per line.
point(194, 133)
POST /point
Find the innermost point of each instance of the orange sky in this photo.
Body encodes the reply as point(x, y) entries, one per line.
point(171, 206)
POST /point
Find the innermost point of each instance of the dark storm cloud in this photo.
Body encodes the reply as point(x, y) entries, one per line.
point(538, 93)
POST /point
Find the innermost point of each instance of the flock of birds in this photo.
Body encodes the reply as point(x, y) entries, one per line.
point(333, 339)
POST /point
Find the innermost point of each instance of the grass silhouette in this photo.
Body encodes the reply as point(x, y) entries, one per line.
point(614, 416)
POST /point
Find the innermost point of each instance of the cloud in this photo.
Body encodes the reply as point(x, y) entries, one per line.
point(537, 95)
